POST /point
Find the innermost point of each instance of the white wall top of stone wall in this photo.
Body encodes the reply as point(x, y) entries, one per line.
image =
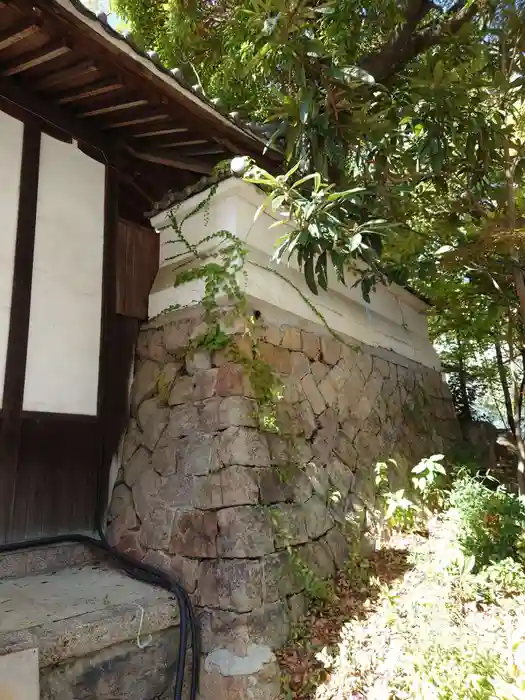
point(394, 319)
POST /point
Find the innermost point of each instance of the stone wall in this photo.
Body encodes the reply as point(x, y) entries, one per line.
point(205, 493)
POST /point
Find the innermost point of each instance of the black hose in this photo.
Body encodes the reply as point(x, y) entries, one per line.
point(148, 574)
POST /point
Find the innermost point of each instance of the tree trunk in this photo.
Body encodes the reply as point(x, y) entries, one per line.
point(505, 386)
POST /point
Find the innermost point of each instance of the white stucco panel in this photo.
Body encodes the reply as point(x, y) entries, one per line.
point(11, 136)
point(66, 297)
point(394, 319)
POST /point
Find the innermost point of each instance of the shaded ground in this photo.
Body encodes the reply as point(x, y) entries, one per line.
point(411, 623)
point(356, 593)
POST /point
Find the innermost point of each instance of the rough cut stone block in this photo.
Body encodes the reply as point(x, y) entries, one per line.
point(341, 477)
point(164, 458)
point(289, 525)
point(182, 421)
point(291, 338)
point(120, 501)
point(209, 414)
point(131, 545)
point(345, 450)
point(145, 491)
point(176, 336)
point(338, 546)
point(132, 441)
point(298, 607)
point(230, 380)
point(313, 394)
point(121, 672)
point(167, 376)
point(207, 492)
point(317, 517)
point(244, 446)
point(260, 682)
point(239, 486)
point(271, 334)
point(318, 559)
point(268, 624)
point(198, 360)
point(273, 486)
point(277, 357)
point(319, 371)
point(237, 411)
point(194, 534)
point(328, 391)
point(151, 346)
point(182, 391)
point(197, 454)
point(306, 423)
point(244, 531)
point(205, 384)
point(331, 350)
point(155, 531)
point(152, 418)
point(144, 384)
point(183, 569)
point(300, 364)
point(311, 345)
point(318, 478)
point(280, 578)
point(136, 466)
point(231, 584)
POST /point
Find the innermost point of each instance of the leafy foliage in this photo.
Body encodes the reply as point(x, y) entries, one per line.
point(490, 521)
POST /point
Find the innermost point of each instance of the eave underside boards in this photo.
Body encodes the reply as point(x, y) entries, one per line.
point(163, 141)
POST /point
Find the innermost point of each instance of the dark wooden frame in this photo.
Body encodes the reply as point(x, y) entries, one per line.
point(54, 468)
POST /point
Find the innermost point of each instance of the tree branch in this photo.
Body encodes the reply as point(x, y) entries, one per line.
point(406, 43)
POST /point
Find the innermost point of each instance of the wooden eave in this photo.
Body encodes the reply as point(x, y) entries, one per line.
point(61, 64)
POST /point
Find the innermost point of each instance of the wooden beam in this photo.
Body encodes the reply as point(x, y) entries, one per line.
point(80, 70)
point(36, 58)
point(113, 108)
point(193, 166)
point(16, 358)
point(161, 132)
point(17, 33)
point(180, 144)
point(92, 90)
point(137, 120)
point(52, 114)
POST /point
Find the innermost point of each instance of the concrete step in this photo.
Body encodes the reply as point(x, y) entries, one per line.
point(99, 633)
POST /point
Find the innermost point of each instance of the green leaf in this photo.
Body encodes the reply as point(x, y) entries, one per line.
point(309, 275)
point(321, 271)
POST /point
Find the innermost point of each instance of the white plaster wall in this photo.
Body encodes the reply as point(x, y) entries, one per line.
point(66, 298)
point(11, 136)
point(394, 319)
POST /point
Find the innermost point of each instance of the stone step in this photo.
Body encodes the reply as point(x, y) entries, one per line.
point(99, 633)
point(42, 560)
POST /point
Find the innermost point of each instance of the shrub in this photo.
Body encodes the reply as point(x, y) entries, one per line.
point(500, 580)
point(490, 522)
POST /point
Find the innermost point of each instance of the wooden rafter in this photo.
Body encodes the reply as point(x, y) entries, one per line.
point(180, 144)
point(136, 120)
point(36, 58)
point(108, 109)
point(92, 90)
point(82, 69)
point(19, 32)
point(194, 166)
point(161, 132)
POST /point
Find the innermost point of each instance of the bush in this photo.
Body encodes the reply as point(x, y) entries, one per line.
point(490, 522)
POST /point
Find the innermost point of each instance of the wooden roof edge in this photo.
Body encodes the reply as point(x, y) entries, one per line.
point(148, 67)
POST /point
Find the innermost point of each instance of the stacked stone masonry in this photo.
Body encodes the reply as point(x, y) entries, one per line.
point(206, 494)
